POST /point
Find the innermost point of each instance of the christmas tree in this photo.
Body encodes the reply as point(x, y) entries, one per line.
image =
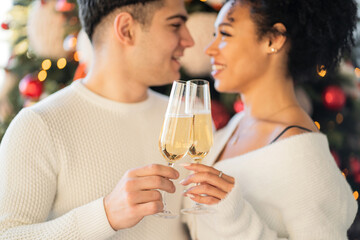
point(43, 57)
point(49, 51)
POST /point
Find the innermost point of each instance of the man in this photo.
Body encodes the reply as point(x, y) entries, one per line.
point(69, 165)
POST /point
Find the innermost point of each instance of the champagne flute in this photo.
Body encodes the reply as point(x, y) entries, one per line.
point(202, 132)
point(176, 134)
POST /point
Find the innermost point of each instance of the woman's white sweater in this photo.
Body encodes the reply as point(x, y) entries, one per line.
point(291, 189)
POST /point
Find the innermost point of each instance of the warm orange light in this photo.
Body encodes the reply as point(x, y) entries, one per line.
point(203, 0)
point(76, 56)
point(42, 75)
point(321, 71)
point(356, 195)
point(61, 63)
point(73, 42)
point(343, 174)
point(317, 124)
point(357, 72)
point(339, 118)
point(46, 64)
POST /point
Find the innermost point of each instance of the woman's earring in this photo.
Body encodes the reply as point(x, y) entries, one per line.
point(273, 50)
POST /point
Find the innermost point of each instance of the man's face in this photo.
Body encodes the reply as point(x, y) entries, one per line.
point(159, 46)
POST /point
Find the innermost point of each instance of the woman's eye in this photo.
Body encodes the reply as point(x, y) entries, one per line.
point(225, 34)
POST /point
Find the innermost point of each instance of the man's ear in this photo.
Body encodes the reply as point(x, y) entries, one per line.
point(277, 38)
point(124, 28)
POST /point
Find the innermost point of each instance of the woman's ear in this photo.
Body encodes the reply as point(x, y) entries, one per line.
point(124, 28)
point(277, 38)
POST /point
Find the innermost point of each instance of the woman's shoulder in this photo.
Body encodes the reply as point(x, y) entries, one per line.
point(292, 124)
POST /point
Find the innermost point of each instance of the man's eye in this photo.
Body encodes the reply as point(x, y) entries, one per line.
point(176, 25)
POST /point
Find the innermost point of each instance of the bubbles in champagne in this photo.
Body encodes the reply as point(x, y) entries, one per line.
point(176, 137)
point(202, 136)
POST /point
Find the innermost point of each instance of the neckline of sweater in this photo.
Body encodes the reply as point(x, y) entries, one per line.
point(280, 145)
point(284, 145)
point(108, 104)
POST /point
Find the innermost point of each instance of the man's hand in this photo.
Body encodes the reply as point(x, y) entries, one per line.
point(136, 195)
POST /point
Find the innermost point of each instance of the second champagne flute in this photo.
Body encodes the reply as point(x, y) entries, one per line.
point(176, 134)
point(202, 131)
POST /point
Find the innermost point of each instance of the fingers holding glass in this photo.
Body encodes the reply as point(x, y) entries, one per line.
point(205, 193)
point(212, 176)
point(209, 185)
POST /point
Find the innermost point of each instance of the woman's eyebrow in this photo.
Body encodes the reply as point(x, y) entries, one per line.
point(225, 24)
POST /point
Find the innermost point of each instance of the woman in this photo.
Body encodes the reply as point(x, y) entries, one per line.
point(273, 176)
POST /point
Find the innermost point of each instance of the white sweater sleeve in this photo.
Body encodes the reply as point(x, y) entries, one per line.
point(236, 219)
point(28, 185)
point(315, 205)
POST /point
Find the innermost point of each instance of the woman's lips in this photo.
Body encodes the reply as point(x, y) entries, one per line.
point(217, 68)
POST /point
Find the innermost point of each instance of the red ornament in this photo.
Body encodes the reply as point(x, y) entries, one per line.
point(80, 71)
point(238, 105)
point(334, 98)
point(219, 114)
point(31, 87)
point(5, 26)
point(355, 168)
point(64, 6)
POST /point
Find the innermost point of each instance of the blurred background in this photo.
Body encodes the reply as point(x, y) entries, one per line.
point(43, 49)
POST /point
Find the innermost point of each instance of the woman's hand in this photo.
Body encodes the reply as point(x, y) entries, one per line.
point(213, 184)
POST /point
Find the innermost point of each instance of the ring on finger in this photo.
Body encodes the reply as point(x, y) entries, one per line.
point(220, 174)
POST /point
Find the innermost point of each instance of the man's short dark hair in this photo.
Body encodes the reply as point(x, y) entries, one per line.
point(91, 12)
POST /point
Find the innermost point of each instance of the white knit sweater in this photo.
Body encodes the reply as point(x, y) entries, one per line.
point(60, 157)
point(291, 189)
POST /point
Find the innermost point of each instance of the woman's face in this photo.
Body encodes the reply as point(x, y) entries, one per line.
point(239, 59)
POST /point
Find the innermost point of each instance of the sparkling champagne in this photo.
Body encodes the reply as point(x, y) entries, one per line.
point(202, 136)
point(176, 142)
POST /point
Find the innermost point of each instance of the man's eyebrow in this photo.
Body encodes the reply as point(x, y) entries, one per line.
point(183, 17)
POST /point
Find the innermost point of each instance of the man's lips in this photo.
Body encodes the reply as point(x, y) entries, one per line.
point(176, 61)
point(176, 58)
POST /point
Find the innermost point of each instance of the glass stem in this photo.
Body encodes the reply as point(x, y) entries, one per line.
point(163, 193)
point(198, 205)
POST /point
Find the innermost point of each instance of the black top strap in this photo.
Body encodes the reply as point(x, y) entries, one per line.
point(287, 128)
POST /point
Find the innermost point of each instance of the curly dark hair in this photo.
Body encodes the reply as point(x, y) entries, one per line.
point(320, 31)
point(91, 12)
